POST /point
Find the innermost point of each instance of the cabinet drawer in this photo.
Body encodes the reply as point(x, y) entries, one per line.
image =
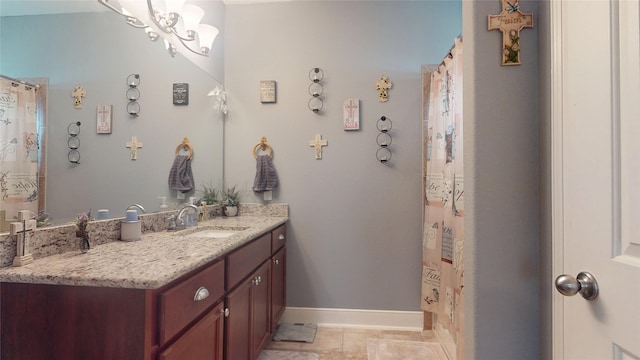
point(278, 238)
point(242, 262)
point(179, 306)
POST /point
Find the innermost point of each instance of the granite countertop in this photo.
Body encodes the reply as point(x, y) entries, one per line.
point(154, 261)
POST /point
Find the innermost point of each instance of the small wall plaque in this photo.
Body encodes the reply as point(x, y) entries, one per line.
point(267, 91)
point(181, 94)
point(351, 114)
point(104, 119)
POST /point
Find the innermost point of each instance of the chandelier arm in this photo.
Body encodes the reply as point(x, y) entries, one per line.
point(135, 25)
point(131, 20)
point(182, 38)
point(154, 17)
point(189, 48)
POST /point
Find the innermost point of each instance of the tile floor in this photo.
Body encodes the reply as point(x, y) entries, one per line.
point(348, 344)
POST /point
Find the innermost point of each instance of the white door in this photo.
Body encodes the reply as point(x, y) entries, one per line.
point(596, 175)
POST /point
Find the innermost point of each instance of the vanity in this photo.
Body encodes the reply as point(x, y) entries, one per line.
point(169, 296)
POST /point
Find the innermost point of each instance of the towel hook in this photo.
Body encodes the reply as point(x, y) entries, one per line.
point(262, 145)
point(186, 146)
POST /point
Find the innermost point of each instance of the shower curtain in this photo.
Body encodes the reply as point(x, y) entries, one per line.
point(443, 189)
point(18, 149)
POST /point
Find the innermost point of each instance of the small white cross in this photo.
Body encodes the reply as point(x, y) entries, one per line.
point(134, 145)
point(318, 143)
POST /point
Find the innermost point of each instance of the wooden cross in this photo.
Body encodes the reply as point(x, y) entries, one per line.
point(318, 143)
point(134, 145)
point(20, 229)
point(383, 84)
point(510, 21)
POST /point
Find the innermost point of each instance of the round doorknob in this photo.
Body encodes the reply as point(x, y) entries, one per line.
point(584, 283)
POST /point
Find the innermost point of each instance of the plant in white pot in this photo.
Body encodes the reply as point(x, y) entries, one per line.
point(230, 200)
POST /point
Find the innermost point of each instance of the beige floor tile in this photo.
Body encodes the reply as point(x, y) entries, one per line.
point(327, 339)
point(332, 355)
point(351, 344)
point(355, 341)
point(402, 335)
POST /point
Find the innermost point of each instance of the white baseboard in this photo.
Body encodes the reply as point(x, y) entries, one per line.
point(355, 318)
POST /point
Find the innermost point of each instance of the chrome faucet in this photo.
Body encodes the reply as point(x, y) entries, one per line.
point(189, 221)
point(135, 206)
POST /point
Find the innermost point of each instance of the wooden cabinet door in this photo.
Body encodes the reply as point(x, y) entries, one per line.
point(248, 324)
point(278, 286)
point(239, 322)
point(204, 341)
point(260, 308)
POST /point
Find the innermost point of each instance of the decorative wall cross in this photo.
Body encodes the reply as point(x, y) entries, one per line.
point(20, 230)
point(318, 143)
point(510, 21)
point(383, 84)
point(77, 94)
point(134, 145)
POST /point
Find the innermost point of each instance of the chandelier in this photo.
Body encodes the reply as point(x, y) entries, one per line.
point(176, 22)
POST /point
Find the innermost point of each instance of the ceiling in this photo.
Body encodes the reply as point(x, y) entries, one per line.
point(39, 7)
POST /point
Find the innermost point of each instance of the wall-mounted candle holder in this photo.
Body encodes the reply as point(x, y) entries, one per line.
point(133, 94)
point(384, 139)
point(316, 89)
point(74, 142)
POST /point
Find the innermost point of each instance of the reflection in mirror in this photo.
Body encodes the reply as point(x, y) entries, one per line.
point(64, 51)
point(19, 143)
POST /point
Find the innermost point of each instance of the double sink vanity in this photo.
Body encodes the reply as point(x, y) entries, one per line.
point(215, 291)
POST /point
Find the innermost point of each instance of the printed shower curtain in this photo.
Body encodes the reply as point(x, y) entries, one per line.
point(18, 149)
point(443, 182)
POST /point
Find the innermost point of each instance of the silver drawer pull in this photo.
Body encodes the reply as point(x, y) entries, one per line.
point(281, 237)
point(201, 294)
point(224, 312)
point(276, 261)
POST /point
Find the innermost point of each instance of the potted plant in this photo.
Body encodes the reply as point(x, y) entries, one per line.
point(230, 200)
point(209, 195)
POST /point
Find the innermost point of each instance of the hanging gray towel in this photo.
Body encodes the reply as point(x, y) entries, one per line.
point(180, 175)
point(266, 176)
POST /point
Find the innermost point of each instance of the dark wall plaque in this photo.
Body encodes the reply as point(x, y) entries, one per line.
point(181, 94)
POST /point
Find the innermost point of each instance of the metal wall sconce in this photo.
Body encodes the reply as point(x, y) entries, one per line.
point(384, 139)
point(316, 89)
point(133, 94)
point(74, 142)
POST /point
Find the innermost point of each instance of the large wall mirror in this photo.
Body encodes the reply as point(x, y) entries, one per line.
point(98, 51)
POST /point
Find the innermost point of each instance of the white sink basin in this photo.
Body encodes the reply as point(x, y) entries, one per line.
point(212, 232)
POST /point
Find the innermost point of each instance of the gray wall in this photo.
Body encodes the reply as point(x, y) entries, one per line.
point(502, 271)
point(354, 238)
point(546, 275)
point(98, 51)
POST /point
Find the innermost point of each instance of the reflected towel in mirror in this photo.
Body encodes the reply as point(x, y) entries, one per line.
point(180, 175)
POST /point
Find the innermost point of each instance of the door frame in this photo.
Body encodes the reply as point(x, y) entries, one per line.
point(557, 229)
